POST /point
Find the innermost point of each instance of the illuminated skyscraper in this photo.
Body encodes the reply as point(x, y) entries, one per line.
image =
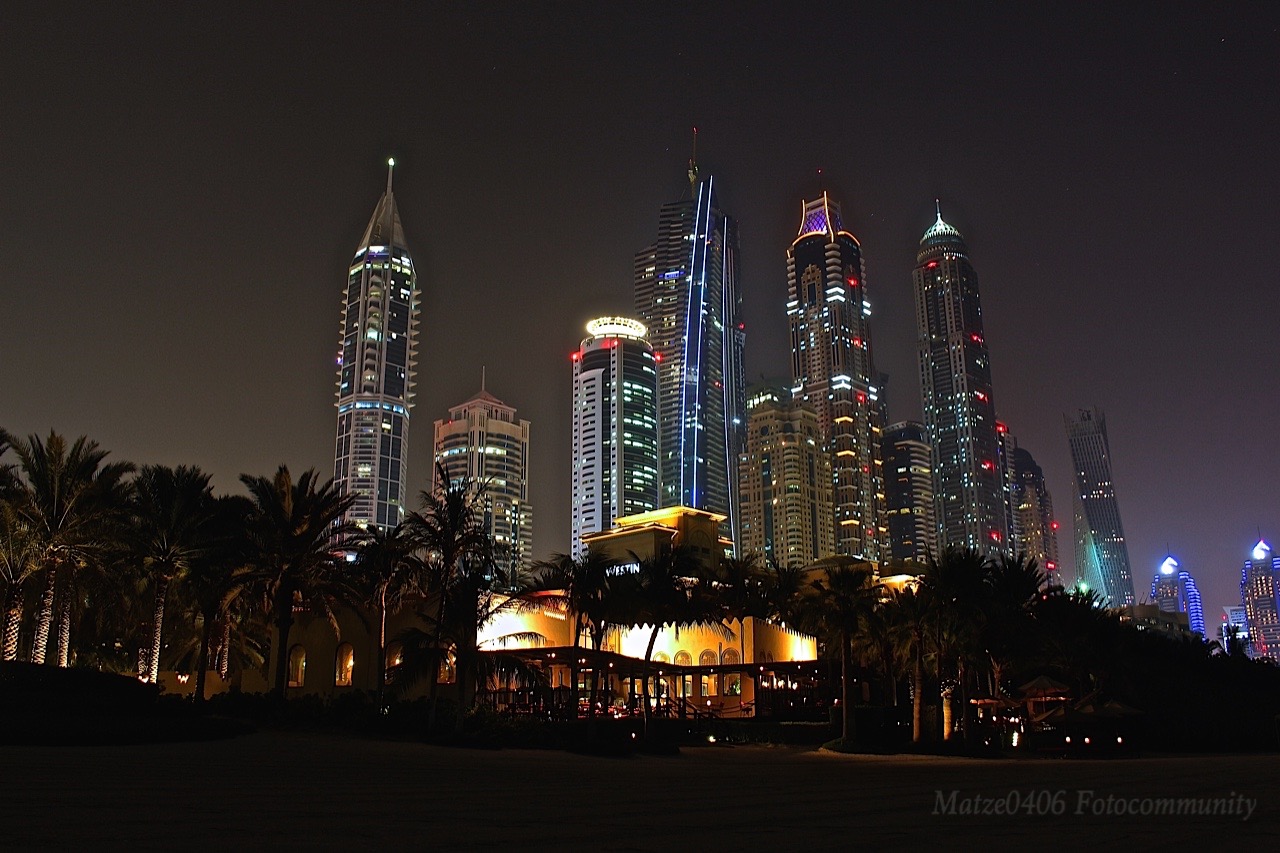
point(955, 383)
point(615, 427)
point(1173, 590)
point(376, 351)
point(686, 292)
point(786, 481)
point(832, 369)
point(908, 489)
point(1035, 530)
point(1102, 558)
point(483, 442)
point(1258, 589)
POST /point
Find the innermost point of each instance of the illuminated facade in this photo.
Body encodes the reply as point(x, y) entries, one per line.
point(908, 489)
point(1034, 529)
point(615, 427)
point(376, 351)
point(484, 442)
point(785, 476)
point(1258, 588)
point(1173, 590)
point(955, 382)
point(832, 369)
point(1102, 557)
point(686, 293)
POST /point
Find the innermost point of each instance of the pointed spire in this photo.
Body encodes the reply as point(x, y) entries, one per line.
point(391, 165)
point(482, 369)
point(384, 226)
point(937, 204)
point(693, 165)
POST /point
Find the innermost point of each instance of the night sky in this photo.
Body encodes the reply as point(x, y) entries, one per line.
point(182, 189)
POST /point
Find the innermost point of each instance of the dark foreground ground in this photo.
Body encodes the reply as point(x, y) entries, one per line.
point(299, 791)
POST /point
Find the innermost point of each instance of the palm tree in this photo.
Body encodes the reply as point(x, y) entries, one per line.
point(73, 502)
point(217, 576)
point(910, 615)
point(836, 610)
point(168, 534)
point(19, 559)
point(956, 584)
point(450, 533)
point(1013, 584)
point(580, 587)
point(292, 528)
point(670, 590)
point(387, 562)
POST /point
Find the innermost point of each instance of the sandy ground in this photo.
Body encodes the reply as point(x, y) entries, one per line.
point(298, 791)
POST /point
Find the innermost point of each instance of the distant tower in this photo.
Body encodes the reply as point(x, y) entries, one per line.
point(786, 481)
point(1102, 558)
point(908, 490)
point(1173, 590)
point(615, 427)
point(1035, 529)
point(833, 371)
point(955, 381)
point(376, 351)
point(482, 441)
point(686, 294)
point(1258, 588)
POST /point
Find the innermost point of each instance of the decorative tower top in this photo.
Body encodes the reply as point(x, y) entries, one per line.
point(693, 167)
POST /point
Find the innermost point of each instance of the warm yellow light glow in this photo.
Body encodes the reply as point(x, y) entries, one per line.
point(623, 327)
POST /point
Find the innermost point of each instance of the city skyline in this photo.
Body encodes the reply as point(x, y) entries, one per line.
point(107, 203)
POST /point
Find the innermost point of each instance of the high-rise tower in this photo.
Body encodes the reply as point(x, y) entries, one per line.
point(376, 351)
point(1035, 529)
point(686, 292)
point(615, 427)
point(832, 369)
point(1258, 593)
point(483, 442)
point(1102, 558)
point(955, 383)
point(1173, 590)
point(908, 489)
point(786, 481)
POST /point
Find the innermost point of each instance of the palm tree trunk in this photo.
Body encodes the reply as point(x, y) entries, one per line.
point(64, 628)
point(846, 722)
point(13, 622)
point(153, 666)
point(381, 652)
point(644, 683)
point(224, 649)
point(40, 644)
point(202, 659)
point(917, 699)
point(284, 621)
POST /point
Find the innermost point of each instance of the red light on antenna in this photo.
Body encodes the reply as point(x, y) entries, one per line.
point(1001, 428)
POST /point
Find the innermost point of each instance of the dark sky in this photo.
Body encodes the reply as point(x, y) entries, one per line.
point(182, 188)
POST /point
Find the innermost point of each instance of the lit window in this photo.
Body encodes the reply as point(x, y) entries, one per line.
point(297, 666)
point(344, 665)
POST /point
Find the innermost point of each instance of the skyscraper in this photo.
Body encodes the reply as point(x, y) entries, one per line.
point(686, 292)
point(1034, 528)
point(832, 368)
point(1102, 558)
point(377, 344)
point(955, 383)
point(1258, 587)
point(908, 492)
point(786, 481)
point(483, 442)
point(615, 427)
point(1173, 590)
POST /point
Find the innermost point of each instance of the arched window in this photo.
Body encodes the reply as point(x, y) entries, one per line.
point(661, 657)
point(732, 680)
point(297, 666)
point(393, 659)
point(710, 683)
point(683, 658)
point(343, 666)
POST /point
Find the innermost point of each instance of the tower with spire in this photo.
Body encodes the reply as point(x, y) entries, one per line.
point(377, 345)
point(955, 387)
point(833, 371)
point(686, 294)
